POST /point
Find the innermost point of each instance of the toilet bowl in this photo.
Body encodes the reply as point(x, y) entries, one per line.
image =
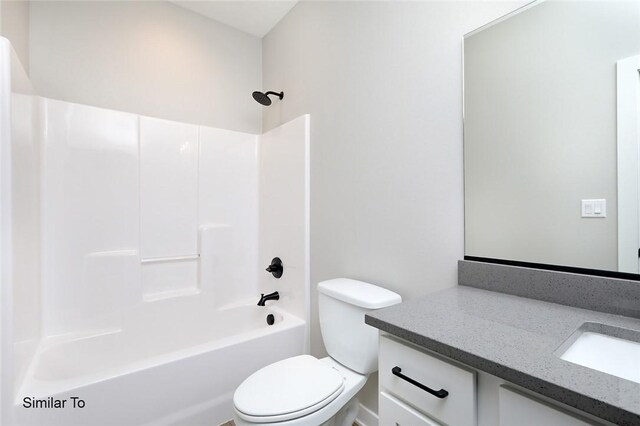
point(306, 391)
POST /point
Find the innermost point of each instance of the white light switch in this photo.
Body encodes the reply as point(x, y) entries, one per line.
point(594, 208)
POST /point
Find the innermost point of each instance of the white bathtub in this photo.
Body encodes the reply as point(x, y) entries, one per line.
point(156, 371)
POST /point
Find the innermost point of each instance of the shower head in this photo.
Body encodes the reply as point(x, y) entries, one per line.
point(263, 98)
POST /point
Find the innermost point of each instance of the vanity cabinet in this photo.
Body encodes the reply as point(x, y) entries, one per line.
point(409, 377)
point(522, 410)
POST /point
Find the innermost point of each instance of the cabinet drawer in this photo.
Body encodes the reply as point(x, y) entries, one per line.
point(395, 413)
point(458, 408)
point(517, 409)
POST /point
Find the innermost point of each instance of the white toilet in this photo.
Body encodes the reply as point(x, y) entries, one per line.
point(306, 391)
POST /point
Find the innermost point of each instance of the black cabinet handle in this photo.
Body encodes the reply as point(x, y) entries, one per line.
point(437, 393)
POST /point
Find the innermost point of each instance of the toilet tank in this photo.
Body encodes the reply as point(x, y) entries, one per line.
point(342, 304)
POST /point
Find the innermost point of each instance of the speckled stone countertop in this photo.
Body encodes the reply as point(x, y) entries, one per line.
point(514, 338)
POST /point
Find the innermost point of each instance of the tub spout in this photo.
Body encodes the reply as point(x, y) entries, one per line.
point(270, 296)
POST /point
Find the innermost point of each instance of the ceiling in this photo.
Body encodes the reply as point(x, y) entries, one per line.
point(256, 17)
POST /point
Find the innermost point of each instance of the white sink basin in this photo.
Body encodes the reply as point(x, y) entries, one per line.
point(608, 350)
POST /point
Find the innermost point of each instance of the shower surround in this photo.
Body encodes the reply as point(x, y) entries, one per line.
point(133, 256)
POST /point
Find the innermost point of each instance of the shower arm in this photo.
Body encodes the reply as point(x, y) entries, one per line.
point(280, 95)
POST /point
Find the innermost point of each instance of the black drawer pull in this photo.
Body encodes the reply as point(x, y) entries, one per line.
point(437, 393)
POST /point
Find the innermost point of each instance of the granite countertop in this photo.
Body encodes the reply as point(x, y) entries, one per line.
point(514, 338)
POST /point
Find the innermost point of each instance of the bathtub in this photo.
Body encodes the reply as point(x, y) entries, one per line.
point(154, 370)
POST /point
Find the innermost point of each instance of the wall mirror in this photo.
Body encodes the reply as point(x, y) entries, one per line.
point(551, 136)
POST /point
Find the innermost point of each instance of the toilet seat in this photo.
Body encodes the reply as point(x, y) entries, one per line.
point(287, 389)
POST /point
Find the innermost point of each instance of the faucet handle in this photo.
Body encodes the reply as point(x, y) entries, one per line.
point(275, 268)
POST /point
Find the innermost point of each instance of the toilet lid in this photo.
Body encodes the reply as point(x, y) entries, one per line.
point(288, 389)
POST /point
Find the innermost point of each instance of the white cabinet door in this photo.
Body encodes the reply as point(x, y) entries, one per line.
point(395, 413)
point(517, 409)
point(458, 408)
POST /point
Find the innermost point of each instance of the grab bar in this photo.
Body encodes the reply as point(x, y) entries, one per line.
point(170, 258)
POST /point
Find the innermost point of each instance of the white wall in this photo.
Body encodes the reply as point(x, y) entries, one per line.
point(20, 231)
point(27, 312)
point(90, 217)
point(284, 213)
point(6, 276)
point(228, 215)
point(540, 132)
point(383, 83)
point(148, 57)
point(110, 242)
point(14, 25)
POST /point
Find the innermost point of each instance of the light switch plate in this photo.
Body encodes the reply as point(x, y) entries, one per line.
point(594, 208)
